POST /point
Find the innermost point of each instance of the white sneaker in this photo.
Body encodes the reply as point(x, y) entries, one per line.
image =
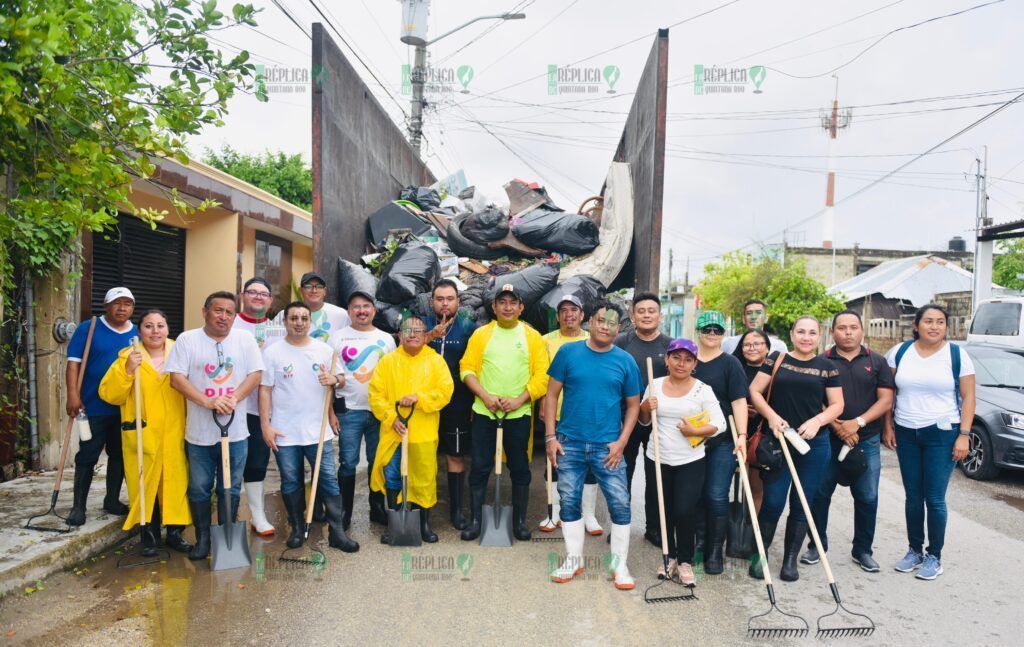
point(589, 507)
point(260, 525)
point(550, 523)
point(620, 552)
point(572, 565)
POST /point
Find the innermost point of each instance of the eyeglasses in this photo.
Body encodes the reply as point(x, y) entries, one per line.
point(257, 294)
point(418, 332)
point(754, 345)
point(314, 287)
point(712, 330)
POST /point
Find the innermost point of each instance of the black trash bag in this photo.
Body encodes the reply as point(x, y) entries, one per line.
point(584, 287)
point(424, 196)
point(464, 247)
point(531, 283)
point(392, 216)
point(557, 231)
point(473, 297)
point(413, 269)
point(487, 226)
point(388, 317)
point(422, 305)
point(352, 278)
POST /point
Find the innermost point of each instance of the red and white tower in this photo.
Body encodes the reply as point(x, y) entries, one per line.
point(832, 122)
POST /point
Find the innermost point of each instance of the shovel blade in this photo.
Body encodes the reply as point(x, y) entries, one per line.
point(496, 524)
point(229, 546)
point(404, 528)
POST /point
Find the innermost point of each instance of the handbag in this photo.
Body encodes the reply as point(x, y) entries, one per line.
point(755, 438)
point(740, 538)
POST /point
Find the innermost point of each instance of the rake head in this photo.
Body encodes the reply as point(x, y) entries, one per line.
point(797, 626)
point(650, 597)
point(29, 525)
point(143, 557)
point(538, 539)
point(315, 558)
point(849, 630)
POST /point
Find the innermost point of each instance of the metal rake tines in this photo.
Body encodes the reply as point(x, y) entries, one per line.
point(793, 631)
point(776, 632)
point(317, 557)
point(686, 597)
point(51, 512)
point(845, 633)
point(850, 630)
point(545, 538)
point(133, 560)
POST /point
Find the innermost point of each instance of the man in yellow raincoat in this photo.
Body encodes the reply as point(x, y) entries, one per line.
point(163, 434)
point(415, 376)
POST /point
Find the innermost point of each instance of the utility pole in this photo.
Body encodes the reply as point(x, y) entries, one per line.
point(832, 123)
point(669, 284)
point(982, 249)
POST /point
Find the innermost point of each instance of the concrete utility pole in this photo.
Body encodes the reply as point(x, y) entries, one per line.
point(832, 123)
point(982, 249)
point(414, 32)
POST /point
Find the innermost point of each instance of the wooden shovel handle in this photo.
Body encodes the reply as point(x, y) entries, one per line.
point(657, 463)
point(328, 396)
point(71, 420)
point(745, 481)
point(138, 436)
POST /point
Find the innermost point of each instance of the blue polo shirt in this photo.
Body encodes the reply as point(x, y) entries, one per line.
point(106, 344)
point(594, 386)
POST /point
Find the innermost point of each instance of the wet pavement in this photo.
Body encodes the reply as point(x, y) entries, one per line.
point(457, 591)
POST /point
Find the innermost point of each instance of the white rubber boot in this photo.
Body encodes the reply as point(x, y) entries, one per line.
point(260, 525)
point(573, 563)
point(550, 523)
point(620, 552)
point(589, 507)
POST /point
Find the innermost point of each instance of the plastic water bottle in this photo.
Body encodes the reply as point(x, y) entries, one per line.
point(796, 441)
point(84, 431)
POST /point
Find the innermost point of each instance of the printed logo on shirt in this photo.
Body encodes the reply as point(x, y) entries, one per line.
point(355, 360)
point(288, 371)
point(220, 374)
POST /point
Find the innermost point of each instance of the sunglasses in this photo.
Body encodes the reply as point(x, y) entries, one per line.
point(220, 355)
point(712, 330)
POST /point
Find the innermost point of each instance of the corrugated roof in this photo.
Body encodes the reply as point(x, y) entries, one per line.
point(916, 279)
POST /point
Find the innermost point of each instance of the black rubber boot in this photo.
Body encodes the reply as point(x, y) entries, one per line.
point(348, 499)
point(377, 512)
point(336, 536)
point(201, 519)
point(234, 508)
point(83, 480)
point(795, 533)
point(476, 506)
point(756, 570)
point(295, 508)
point(175, 541)
point(392, 499)
point(426, 532)
point(714, 561)
point(456, 480)
point(150, 535)
point(115, 477)
point(319, 513)
point(520, 501)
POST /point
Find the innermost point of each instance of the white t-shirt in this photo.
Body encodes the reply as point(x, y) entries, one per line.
point(297, 399)
point(674, 447)
point(214, 372)
point(325, 321)
point(729, 344)
point(359, 352)
point(266, 333)
point(924, 387)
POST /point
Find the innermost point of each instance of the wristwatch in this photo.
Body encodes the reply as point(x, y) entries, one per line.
point(861, 423)
point(965, 432)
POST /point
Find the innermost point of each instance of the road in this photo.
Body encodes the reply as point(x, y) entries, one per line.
point(457, 592)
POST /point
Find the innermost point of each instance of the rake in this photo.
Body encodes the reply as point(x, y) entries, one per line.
point(828, 632)
point(756, 625)
point(547, 537)
point(649, 596)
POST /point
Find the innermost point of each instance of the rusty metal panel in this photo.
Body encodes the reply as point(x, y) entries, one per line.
point(643, 146)
point(361, 159)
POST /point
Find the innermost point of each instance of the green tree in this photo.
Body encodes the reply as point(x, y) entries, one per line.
point(1008, 266)
point(90, 92)
point(788, 290)
point(285, 176)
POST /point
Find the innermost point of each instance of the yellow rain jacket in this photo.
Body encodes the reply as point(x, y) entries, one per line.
point(399, 374)
point(163, 438)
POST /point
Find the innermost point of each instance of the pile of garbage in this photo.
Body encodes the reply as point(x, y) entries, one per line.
point(426, 235)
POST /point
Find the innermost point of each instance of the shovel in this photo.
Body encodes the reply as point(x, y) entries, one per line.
point(497, 519)
point(229, 540)
point(548, 487)
point(404, 524)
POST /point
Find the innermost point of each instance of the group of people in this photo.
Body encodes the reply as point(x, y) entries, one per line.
point(318, 370)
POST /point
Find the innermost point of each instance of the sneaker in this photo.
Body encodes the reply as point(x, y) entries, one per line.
point(931, 568)
point(811, 557)
point(866, 563)
point(910, 562)
point(686, 575)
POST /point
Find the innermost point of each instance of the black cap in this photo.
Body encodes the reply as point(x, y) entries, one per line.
point(852, 466)
point(309, 276)
point(359, 293)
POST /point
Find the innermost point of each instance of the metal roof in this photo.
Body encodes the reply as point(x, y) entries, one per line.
point(916, 279)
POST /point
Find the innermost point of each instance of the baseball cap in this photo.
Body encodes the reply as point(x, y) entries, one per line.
point(571, 298)
point(359, 293)
point(117, 293)
point(309, 276)
point(681, 344)
point(257, 279)
point(851, 467)
point(507, 288)
point(710, 318)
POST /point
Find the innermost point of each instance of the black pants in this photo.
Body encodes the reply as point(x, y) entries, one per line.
point(259, 452)
point(641, 434)
point(106, 434)
point(683, 485)
point(516, 441)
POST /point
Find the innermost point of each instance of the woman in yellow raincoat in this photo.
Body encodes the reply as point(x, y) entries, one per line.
point(415, 376)
point(163, 434)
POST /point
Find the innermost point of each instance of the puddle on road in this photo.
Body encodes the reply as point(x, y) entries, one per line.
point(1015, 501)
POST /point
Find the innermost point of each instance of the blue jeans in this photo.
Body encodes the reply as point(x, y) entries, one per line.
point(720, 465)
point(293, 475)
point(580, 457)
point(393, 471)
point(515, 443)
point(204, 469)
point(357, 424)
point(926, 463)
point(864, 491)
point(810, 467)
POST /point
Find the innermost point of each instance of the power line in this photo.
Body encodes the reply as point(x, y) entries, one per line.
point(506, 53)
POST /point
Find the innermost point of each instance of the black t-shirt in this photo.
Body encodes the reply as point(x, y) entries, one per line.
point(798, 393)
point(725, 376)
point(754, 420)
point(861, 378)
point(451, 348)
point(641, 350)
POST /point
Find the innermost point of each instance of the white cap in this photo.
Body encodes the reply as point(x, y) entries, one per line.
point(117, 293)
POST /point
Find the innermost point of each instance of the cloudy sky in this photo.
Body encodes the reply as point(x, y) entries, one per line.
point(742, 167)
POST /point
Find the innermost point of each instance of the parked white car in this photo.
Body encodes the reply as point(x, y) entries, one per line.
point(999, 321)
